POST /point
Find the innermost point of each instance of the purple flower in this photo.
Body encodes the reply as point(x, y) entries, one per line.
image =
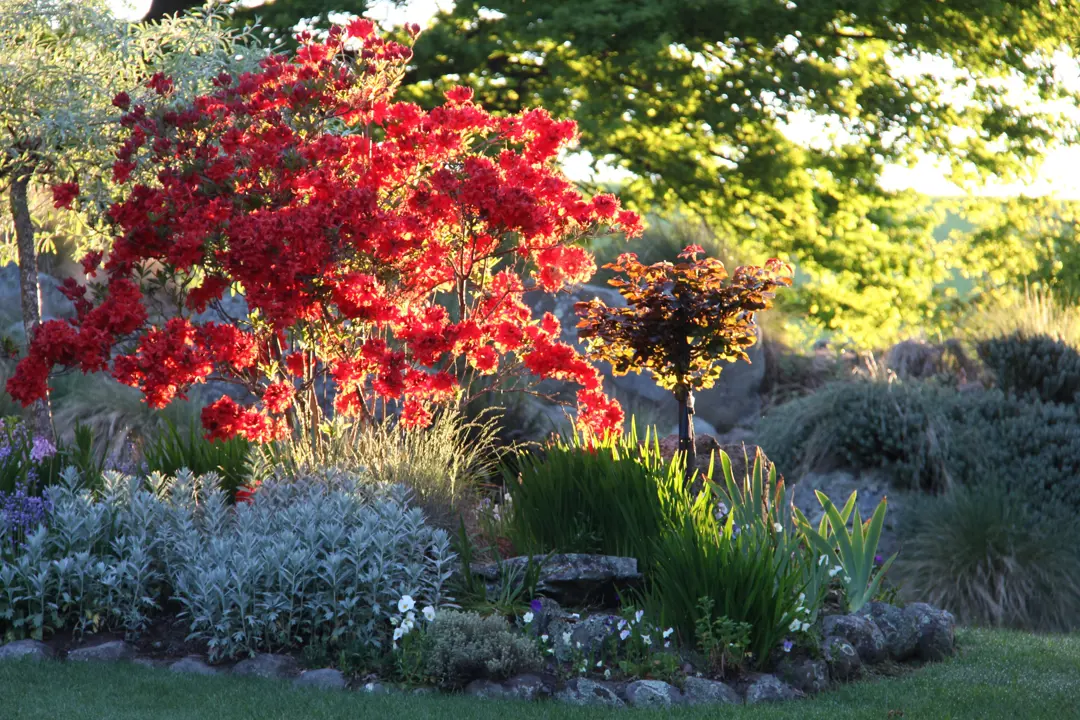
point(536, 606)
point(42, 449)
point(21, 514)
point(788, 645)
point(878, 559)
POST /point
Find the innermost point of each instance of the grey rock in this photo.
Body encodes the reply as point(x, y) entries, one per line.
point(266, 665)
point(584, 636)
point(806, 675)
point(699, 691)
point(652, 694)
point(585, 692)
point(193, 665)
point(528, 687)
point(113, 651)
point(936, 631)
point(899, 629)
point(324, 679)
point(148, 662)
point(861, 632)
point(842, 658)
point(549, 611)
point(769, 688)
point(572, 578)
point(487, 689)
point(26, 650)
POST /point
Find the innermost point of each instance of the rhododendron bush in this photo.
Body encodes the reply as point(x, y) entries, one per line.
point(383, 250)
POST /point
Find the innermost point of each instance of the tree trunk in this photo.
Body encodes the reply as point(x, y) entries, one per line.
point(687, 441)
point(30, 295)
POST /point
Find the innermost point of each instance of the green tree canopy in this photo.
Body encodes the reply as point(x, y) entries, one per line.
point(696, 99)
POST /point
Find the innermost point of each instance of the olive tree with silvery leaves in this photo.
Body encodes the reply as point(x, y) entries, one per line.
point(61, 64)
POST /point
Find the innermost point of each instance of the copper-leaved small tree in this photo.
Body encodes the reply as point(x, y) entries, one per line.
point(682, 322)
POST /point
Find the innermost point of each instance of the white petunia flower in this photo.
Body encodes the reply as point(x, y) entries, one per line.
point(527, 618)
point(429, 613)
point(778, 527)
point(544, 637)
point(624, 634)
point(667, 643)
point(835, 571)
point(395, 620)
point(599, 663)
point(398, 632)
point(668, 632)
point(607, 674)
point(646, 639)
point(405, 604)
point(847, 578)
point(638, 615)
point(621, 625)
point(794, 627)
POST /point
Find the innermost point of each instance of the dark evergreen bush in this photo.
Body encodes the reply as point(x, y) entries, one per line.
point(926, 436)
point(1039, 366)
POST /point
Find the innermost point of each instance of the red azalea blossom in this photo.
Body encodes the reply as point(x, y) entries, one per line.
point(64, 194)
point(387, 262)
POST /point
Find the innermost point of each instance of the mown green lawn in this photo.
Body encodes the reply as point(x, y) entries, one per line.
point(997, 675)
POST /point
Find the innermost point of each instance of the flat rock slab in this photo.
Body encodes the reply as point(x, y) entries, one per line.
point(193, 665)
point(571, 578)
point(114, 651)
point(265, 665)
point(26, 650)
point(324, 679)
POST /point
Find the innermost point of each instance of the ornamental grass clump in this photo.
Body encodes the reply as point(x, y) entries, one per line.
point(383, 250)
point(580, 494)
point(982, 554)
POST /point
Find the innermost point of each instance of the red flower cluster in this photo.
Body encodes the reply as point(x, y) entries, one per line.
point(381, 247)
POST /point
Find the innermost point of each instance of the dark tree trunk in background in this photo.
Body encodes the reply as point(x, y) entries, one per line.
point(161, 8)
point(30, 294)
point(687, 441)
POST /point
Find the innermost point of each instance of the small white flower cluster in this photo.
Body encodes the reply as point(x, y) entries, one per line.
point(405, 623)
point(626, 629)
point(800, 625)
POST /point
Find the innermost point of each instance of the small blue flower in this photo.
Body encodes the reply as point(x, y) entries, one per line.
point(536, 606)
point(788, 645)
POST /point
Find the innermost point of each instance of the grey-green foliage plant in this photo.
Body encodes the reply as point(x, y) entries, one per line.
point(1041, 366)
point(465, 646)
point(982, 554)
point(303, 560)
point(321, 559)
point(852, 553)
point(92, 567)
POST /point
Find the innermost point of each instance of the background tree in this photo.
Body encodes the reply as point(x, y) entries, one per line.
point(696, 100)
point(61, 64)
point(682, 322)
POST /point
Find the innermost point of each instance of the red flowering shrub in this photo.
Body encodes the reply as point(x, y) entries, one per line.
point(380, 247)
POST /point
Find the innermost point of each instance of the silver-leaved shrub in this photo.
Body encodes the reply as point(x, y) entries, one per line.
point(313, 559)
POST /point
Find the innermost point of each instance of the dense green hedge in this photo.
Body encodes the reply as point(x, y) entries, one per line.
point(926, 436)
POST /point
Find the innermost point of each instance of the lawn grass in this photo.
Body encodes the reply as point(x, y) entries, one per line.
point(998, 674)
